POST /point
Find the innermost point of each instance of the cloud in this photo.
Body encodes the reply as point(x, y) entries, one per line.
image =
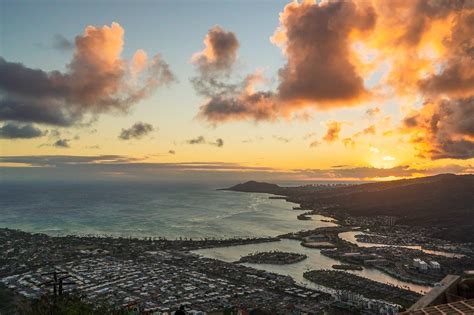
point(173, 152)
point(309, 135)
point(362, 172)
point(97, 80)
point(255, 106)
point(315, 38)
point(456, 77)
point(281, 139)
point(201, 140)
point(12, 130)
point(62, 143)
point(348, 142)
point(314, 144)
point(100, 166)
point(62, 43)
point(251, 140)
point(443, 129)
point(198, 140)
point(412, 38)
point(54, 133)
point(220, 52)
point(218, 143)
point(371, 130)
point(333, 130)
point(228, 98)
point(137, 131)
point(319, 72)
point(372, 112)
point(420, 49)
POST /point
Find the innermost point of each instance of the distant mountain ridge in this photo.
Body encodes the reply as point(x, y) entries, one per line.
point(253, 186)
point(445, 201)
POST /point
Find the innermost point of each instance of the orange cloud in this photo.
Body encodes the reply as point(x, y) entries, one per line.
point(443, 129)
point(423, 50)
point(332, 133)
point(371, 130)
point(97, 80)
point(316, 39)
point(348, 142)
point(456, 77)
point(320, 71)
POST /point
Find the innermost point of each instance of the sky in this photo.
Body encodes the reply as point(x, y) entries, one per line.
point(273, 90)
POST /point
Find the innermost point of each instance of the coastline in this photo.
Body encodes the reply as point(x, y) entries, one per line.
point(130, 247)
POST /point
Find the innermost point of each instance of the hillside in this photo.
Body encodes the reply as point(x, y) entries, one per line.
point(253, 186)
point(445, 201)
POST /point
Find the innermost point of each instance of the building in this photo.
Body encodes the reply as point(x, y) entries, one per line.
point(434, 265)
point(420, 264)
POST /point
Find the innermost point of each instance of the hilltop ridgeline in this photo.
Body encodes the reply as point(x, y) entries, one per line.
point(445, 201)
point(253, 186)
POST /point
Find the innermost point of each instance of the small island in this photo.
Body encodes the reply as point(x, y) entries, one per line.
point(303, 217)
point(347, 267)
point(273, 258)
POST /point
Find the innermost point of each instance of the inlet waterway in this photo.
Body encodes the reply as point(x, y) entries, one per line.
point(351, 237)
point(315, 261)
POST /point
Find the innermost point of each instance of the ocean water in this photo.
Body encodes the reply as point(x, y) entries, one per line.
point(145, 209)
point(168, 210)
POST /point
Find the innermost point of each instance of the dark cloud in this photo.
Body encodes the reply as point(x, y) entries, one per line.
point(315, 38)
point(62, 43)
point(255, 106)
point(62, 143)
point(319, 72)
point(96, 81)
point(47, 167)
point(414, 18)
point(12, 130)
point(54, 133)
point(137, 131)
point(198, 140)
point(63, 160)
point(324, 69)
point(227, 98)
point(201, 140)
point(443, 129)
point(220, 52)
point(457, 75)
point(218, 143)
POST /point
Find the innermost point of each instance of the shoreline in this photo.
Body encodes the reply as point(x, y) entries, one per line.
point(189, 246)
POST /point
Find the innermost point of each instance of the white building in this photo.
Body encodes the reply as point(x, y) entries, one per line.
point(423, 266)
point(435, 264)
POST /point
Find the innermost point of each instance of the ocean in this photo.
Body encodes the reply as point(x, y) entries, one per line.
point(141, 209)
point(168, 210)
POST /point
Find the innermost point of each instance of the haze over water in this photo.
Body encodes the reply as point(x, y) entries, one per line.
point(145, 209)
point(169, 210)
